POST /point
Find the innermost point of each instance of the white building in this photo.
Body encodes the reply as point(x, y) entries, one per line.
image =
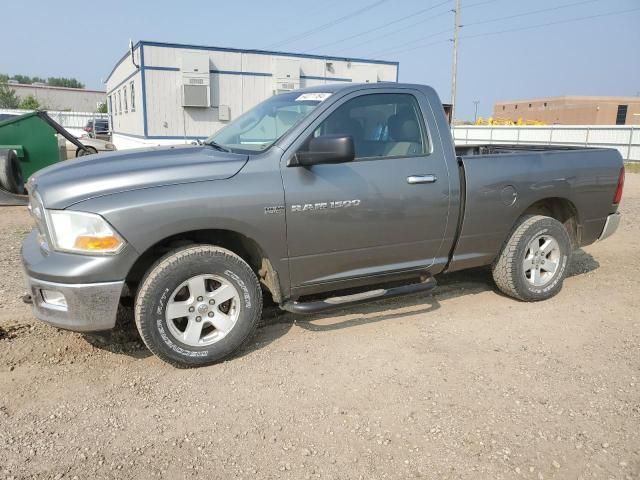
point(170, 93)
point(61, 98)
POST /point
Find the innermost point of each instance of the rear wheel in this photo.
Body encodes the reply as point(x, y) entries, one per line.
point(198, 305)
point(10, 172)
point(533, 262)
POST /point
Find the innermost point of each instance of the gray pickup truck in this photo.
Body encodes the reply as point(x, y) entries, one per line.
point(351, 188)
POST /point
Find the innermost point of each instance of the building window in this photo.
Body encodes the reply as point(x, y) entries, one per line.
point(503, 107)
point(529, 105)
point(545, 104)
point(111, 104)
point(621, 116)
point(119, 102)
point(516, 107)
point(133, 97)
point(126, 102)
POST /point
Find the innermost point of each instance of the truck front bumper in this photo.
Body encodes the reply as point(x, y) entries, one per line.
point(610, 226)
point(64, 289)
point(80, 307)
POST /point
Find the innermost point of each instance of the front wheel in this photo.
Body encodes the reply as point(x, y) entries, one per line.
point(198, 305)
point(533, 262)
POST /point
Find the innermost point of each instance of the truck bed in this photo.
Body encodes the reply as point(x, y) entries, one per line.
point(492, 149)
point(500, 183)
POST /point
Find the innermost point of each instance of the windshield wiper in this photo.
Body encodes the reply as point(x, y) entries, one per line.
point(215, 145)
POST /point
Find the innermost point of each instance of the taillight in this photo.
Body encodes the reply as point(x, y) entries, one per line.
point(618, 196)
point(87, 129)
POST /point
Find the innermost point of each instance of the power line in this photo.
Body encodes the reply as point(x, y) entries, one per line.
point(533, 12)
point(413, 42)
point(540, 25)
point(569, 20)
point(393, 32)
point(324, 26)
point(386, 24)
point(403, 29)
point(447, 40)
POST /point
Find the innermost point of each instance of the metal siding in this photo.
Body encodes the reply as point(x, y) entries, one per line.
point(130, 122)
point(255, 63)
point(163, 103)
point(227, 90)
point(312, 68)
point(626, 139)
point(254, 91)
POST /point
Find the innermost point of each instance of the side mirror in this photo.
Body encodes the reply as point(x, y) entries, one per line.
point(325, 149)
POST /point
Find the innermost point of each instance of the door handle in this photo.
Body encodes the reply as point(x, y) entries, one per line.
point(412, 179)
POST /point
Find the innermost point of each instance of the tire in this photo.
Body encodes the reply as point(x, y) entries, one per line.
point(173, 286)
point(11, 178)
point(82, 153)
point(525, 267)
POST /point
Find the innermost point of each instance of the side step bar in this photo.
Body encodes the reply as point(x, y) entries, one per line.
point(334, 303)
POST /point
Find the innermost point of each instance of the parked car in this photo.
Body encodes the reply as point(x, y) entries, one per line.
point(311, 192)
point(93, 145)
point(101, 129)
point(7, 116)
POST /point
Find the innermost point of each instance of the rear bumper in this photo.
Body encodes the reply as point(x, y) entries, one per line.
point(610, 226)
point(86, 307)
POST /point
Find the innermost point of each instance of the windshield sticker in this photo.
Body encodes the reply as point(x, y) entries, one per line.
point(313, 97)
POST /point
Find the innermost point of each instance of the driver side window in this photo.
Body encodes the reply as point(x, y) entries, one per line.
point(384, 125)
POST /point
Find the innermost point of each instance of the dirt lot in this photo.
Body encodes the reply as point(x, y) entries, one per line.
point(464, 383)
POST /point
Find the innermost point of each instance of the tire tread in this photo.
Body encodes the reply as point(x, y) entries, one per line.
point(504, 266)
point(157, 270)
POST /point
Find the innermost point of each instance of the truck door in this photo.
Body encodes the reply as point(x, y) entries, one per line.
point(383, 213)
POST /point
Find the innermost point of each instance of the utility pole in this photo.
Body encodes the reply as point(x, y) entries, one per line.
point(454, 64)
point(475, 110)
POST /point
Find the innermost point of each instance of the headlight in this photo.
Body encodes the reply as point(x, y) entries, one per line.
point(109, 146)
point(82, 232)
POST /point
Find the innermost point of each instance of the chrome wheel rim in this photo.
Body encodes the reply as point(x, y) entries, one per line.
point(541, 261)
point(202, 310)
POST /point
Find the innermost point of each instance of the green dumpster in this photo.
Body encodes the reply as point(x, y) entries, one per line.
point(32, 139)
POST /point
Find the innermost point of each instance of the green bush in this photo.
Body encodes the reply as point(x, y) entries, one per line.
point(29, 103)
point(8, 97)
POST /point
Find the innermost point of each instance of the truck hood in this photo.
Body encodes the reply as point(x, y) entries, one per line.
point(73, 181)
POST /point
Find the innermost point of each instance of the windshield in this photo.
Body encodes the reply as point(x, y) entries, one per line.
point(257, 129)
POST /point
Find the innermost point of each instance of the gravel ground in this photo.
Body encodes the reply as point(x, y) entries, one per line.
point(463, 383)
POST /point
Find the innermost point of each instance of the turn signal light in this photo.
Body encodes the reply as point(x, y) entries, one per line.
point(87, 242)
point(618, 196)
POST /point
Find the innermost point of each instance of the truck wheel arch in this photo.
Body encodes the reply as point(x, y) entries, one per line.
point(561, 209)
point(243, 246)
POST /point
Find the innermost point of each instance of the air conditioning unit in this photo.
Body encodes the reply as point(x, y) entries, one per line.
point(196, 91)
point(286, 75)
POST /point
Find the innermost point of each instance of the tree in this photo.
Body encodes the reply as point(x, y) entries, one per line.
point(8, 97)
point(22, 79)
point(64, 82)
point(29, 103)
point(103, 108)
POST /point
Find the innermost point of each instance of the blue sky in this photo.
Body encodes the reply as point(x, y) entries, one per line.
point(595, 56)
